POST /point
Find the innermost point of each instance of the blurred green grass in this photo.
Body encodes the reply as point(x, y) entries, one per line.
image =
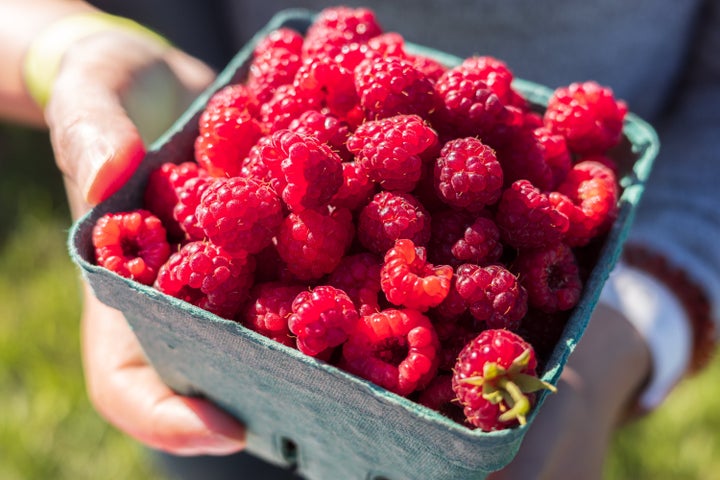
point(48, 430)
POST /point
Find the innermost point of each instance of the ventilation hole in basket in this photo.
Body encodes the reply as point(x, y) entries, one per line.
point(289, 452)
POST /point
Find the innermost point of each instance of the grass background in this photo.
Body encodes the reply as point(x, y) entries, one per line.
point(48, 430)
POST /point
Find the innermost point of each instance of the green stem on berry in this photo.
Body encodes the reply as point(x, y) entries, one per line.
point(528, 383)
point(520, 403)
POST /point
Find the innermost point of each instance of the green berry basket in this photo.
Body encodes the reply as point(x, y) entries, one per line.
point(301, 412)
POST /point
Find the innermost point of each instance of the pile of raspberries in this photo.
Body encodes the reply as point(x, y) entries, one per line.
point(416, 224)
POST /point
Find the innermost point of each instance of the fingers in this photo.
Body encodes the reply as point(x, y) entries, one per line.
point(130, 395)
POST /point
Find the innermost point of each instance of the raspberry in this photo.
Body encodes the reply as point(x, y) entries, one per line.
point(389, 150)
point(270, 70)
point(527, 219)
point(387, 44)
point(326, 128)
point(468, 174)
point(225, 137)
point(390, 86)
point(495, 73)
point(358, 275)
point(587, 115)
point(283, 37)
point(264, 164)
point(207, 276)
point(589, 198)
point(461, 237)
point(334, 27)
point(162, 190)
point(493, 295)
point(284, 106)
point(555, 151)
point(428, 66)
point(268, 310)
point(312, 243)
point(239, 214)
point(235, 95)
point(495, 379)
point(395, 349)
point(357, 188)
point(330, 85)
point(408, 280)
point(551, 277)
point(322, 318)
point(132, 244)
point(439, 396)
point(524, 159)
point(188, 199)
point(390, 216)
point(313, 172)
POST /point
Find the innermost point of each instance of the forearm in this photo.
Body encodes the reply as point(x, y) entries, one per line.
point(20, 22)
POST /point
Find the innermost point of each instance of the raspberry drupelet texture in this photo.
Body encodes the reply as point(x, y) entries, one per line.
point(268, 310)
point(395, 349)
point(358, 275)
point(494, 72)
point(587, 115)
point(551, 277)
point(188, 199)
point(468, 174)
point(334, 27)
point(495, 380)
point(408, 280)
point(390, 216)
point(389, 150)
point(283, 37)
point(357, 188)
point(264, 164)
point(326, 128)
point(284, 106)
point(492, 294)
point(527, 219)
point(239, 214)
point(132, 244)
point(205, 275)
point(312, 243)
point(271, 69)
point(234, 95)
point(461, 237)
point(331, 85)
point(322, 319)
point(390, 86)
point(524, 159)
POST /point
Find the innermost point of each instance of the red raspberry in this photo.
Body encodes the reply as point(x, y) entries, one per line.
point(334, 27)
point(188, 199)
point(225, 137)
point(494, 72)
point(330, 85)
point(387, 44)
point(235, 95)
point(390, 216)
point(587, 115)
point(395, 349)
point(389, 150)
point(589, 198)
point(358, 275)
point(239, 214)
point(556, 153)
point(357, 188)
point(313, 172)
point(390, 86)
point(551, 277)
point(312, 243)
point(264, 164)
point(493, 295)
point(495, 379)
point(205, 275)
point(268, 310)
point(282, 37)
point(322, 318)
point(439, 396)
point(270, 70)
point(429, 66)
point(461, 237)
point(131, 244)
point(527, 219)
point(285, 106)
point(468, 174)
point(162, 190)
point(408, 280)
point(326, 128)
point(524, 159)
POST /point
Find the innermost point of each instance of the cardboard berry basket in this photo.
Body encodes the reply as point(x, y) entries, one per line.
point(300, 411)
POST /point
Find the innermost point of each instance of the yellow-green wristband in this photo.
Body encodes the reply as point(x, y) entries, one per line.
point(43, 58)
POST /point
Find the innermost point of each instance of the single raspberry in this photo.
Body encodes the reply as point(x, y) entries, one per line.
point(234, 95)
point(429, 66)
point(459, 236)
point(493, 295)
point(602, 158)
point(589, 197)
point(390, 216)
point(239, 214)
point(132, 244)
point(527, 219)
point(326, 128)
point(162, 190)
point(587, 115)
point(284, 106)
point(188, 199)
point(322, 318)
point(390, 86)
point(468, 174)
point(494, 72)
point(334, 27)
point(270, 70)
point(207, 276)
point(283, 37)
point(269, 308)
point(264, 164)
point(556, 153)
point(439, 396)
point(389, 150)
point(312, 243)
point(358, 275)
point(313, 172)
point(495, 380)
point(330, 85)
point(356, 190)
point(408, 280)
point(395, 349)
point(389, 44)
point(524, 159)
point(551, 277)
